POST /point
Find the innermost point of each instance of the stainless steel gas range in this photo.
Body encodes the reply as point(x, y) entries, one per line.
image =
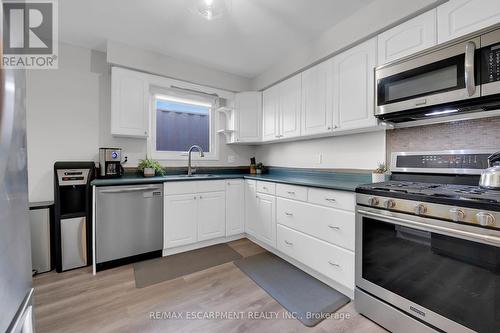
point(428, 245)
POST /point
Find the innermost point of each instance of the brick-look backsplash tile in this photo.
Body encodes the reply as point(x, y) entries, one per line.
point(468, 134)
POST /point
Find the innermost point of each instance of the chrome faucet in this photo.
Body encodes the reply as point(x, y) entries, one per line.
point(193, 147)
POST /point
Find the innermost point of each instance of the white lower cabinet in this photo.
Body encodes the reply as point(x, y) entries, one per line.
point(330, 260)
point(193, 217)
point(260, 214)
point(235, 207)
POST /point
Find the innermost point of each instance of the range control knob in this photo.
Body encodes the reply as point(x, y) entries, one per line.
point(373, 201)
point(389, 203)
point(485, 219)
point(420, 209)
point(457, 214)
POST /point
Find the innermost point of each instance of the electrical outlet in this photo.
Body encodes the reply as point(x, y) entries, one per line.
point(230, 159)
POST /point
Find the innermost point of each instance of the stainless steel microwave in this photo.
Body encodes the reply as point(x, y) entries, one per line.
point(457, 77)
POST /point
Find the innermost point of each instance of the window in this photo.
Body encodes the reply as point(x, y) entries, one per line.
point(179, 123)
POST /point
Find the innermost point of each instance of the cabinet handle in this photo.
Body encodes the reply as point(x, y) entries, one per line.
point(288, 243)
point(291, 192)
point(329, 128)
point(201, 197)
point(333, 227)
point(330, 199)
point(264, 188)
point(288, 214)
point(333, 264)
point(195, 197)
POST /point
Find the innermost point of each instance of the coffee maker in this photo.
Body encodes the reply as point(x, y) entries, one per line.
point(110, 163)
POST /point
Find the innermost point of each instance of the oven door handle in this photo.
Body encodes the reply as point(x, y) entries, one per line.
point(470, 85)
point(429, 227)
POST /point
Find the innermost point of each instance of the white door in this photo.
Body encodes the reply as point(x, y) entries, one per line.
point(409, 37)
point(459, 17)
point(235, 207)
point(211, 215)
point(251, 207)
point(129, 103)
point(317, 113)
point(289, 105)
point(353, 86)
point(266, 218)
point(248, 113)
point(270, 114)
point(180, 220)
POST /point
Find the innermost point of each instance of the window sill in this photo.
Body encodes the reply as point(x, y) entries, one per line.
point(195, 156)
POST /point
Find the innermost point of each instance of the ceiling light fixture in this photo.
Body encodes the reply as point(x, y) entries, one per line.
point(211, 9)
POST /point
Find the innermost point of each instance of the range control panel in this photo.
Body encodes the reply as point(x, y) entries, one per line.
point(490, 66)
point(440, 162)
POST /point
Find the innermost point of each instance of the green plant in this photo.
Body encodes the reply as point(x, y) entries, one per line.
point(382, 168)
point(260, 166)
point(150, 163)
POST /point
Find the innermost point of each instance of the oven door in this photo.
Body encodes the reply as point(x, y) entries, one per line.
point(442, 76)
point(443, 273)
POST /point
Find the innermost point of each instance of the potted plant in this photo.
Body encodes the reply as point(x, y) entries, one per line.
point(378, 175)
point(150, 167)
point(260, 168)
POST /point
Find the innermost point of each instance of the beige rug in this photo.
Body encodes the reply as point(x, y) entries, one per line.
point(158, 270)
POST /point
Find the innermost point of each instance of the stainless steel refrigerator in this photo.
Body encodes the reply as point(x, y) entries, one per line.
point(16, 290)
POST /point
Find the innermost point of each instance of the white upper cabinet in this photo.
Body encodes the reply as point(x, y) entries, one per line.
point(129, 103)
point(409, 37)
point(353, 86)
point(460, 17)
point(248, 113)
point(317, 113)
point(290, 96)
point(270, 114)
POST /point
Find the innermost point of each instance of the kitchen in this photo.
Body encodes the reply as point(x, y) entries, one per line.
point(174, 168)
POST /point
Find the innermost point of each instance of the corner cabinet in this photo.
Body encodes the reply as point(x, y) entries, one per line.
point(353, 87)
point(459, 17)
point(407, 38)
point(248, 116)
point(129, 103)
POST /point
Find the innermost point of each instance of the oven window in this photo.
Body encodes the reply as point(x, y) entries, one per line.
point(438, 77)
point(455, 278)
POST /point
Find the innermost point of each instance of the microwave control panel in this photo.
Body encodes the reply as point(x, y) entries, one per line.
point(490, 66)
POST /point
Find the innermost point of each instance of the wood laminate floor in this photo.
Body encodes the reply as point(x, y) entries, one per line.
point(77, 301)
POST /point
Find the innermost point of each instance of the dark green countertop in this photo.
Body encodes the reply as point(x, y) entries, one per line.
point(320, 179)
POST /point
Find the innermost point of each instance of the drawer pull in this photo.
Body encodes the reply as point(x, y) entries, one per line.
point(330, 199)
point(264, 188)
point(333, 227)
point(288, 243)
point(333, 264)
point(290, 192)
point(288, 214)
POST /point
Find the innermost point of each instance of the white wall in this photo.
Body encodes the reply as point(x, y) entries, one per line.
point(68, 119)
point(356, 151)
point(376, 16)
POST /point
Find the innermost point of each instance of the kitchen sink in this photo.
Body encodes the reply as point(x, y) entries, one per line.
point(196, 175)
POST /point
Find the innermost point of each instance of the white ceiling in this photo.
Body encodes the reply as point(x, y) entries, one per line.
point(254, 35)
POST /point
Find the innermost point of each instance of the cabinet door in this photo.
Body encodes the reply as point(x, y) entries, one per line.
point(317, 113)
point(459, 17)
point(251, 207)
point(266, 219)
point(289, 105)
point(235, 207)
point(409, 37)
point(248, 115)
point(129, 103)
point(180, 220)
point(270, 114)
point(211, 215)
point(353, 86)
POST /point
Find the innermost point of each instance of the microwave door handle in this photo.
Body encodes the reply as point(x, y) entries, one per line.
point(470, 85)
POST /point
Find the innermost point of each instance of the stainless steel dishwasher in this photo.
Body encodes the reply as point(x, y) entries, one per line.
point(129, 224)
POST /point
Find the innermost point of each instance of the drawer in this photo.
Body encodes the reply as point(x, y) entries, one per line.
point(210, 186)
point(292, 192)
point(170, 188)
point(329, 224)
point(332, 198)
point(266, 187)
point(333, 262)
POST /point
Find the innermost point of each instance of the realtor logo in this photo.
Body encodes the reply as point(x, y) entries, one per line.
point(30, 34)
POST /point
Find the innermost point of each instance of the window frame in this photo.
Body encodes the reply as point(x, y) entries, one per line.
point(178, 155)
